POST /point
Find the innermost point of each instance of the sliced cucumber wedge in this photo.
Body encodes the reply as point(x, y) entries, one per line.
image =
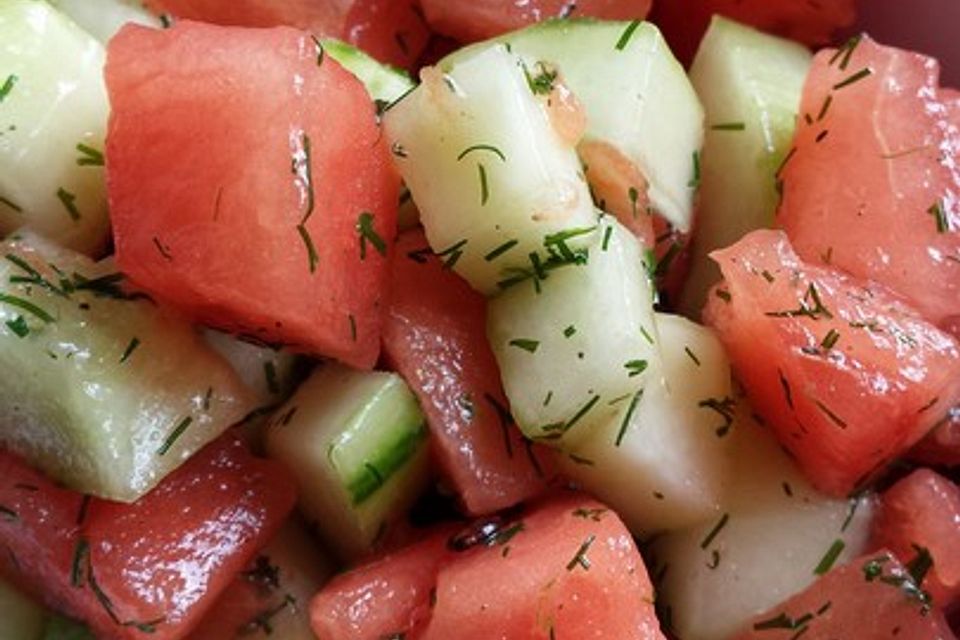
point(636, 96)
point(357, 443)
point(492, 176)
point(774, 536)
point(103, 18)
point(384, 83)
point(270, 373)
point(105, 391)
point(571, 344)
point(662, 462)
point(750, 84)
point(53, 118)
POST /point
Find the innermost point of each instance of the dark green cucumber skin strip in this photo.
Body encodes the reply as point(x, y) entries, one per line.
point(377, 471)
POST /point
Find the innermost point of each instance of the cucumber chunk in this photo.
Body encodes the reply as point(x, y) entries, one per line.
point(357, 443)
point(570, 345)
point(491, 175)
point(53, 117)
point(270, 373)
point(105, 391)
point(662, 462)
point(384, 83)
point(636, 96)
point(750, 84)
point(103, 18)
point(20, 617)
point(774, 534)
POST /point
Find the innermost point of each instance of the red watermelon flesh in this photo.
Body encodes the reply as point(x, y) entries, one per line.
point(482, 19)
point(147, 569)
point(434, 335)
point(250, 185)
point(848, 376)
point(393, 31)
point(685, 21)
point(871, 598)
point(923, 510)
point(873, 184)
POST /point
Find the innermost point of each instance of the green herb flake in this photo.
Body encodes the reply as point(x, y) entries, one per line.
point(580, 557)
point(313, 258)
point(584, 410)
point(830, 557)
point(627, 35)
point(353, 326)
point(7, 86)
point(530, 346)
point(69, 201)
point(542, 83)
point(131, 347)
point(830, 340)
point(569, 331)
point(607, 233)
point(452, 254)
point(369, 234)
point(729, 126)
point(174, 436)
point(19, 326)
point(26, 305)
point(635, 367)
point(488, 148)
point(715, 531)
point(692, 355)
point(845, 53)
point(484, 184)
point(726, 407)
point(695, 180)
point(833, 417)
point(318, 46)
point(500, 250)
point(162, 249)
point(12, 205)
point(89, 157)
point(856, 77)
point(920, 565)
point(625, 423)
point(939, 214)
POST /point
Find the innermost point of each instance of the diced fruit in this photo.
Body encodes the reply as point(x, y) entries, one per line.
point(662, 461)
point(23, 619)
point(750, 84)
point(103, 18)
point(570, 345)
point(567, 568)
point(476, 140)
point(107, 391)
point(871, 598)
point(942, 445)
point(481, 19)
point(280, 231)
point(876, 157)
point(918, 514)
point(385, 84)
point(151, 567)
point(271, 596)
point(434, 335)
point(776, 533)
point(53, 116)
point(393, 31)
point(847, 375)
point(383, 597)
point(270, 373)
point(654, 127)
point(813, 23)
point(358, 445)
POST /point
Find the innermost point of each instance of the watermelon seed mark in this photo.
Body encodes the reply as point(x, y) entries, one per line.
point(857, 77)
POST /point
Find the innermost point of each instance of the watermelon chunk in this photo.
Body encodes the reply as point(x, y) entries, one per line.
point(811, 22)
point(482, 19)
point(567, 568)
point(876, 155)
point(922, 512)
point(848, 376)
point(435, 336)
point(262, 203)
point(393, 31)
point(871, 598)
point(149, 568)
